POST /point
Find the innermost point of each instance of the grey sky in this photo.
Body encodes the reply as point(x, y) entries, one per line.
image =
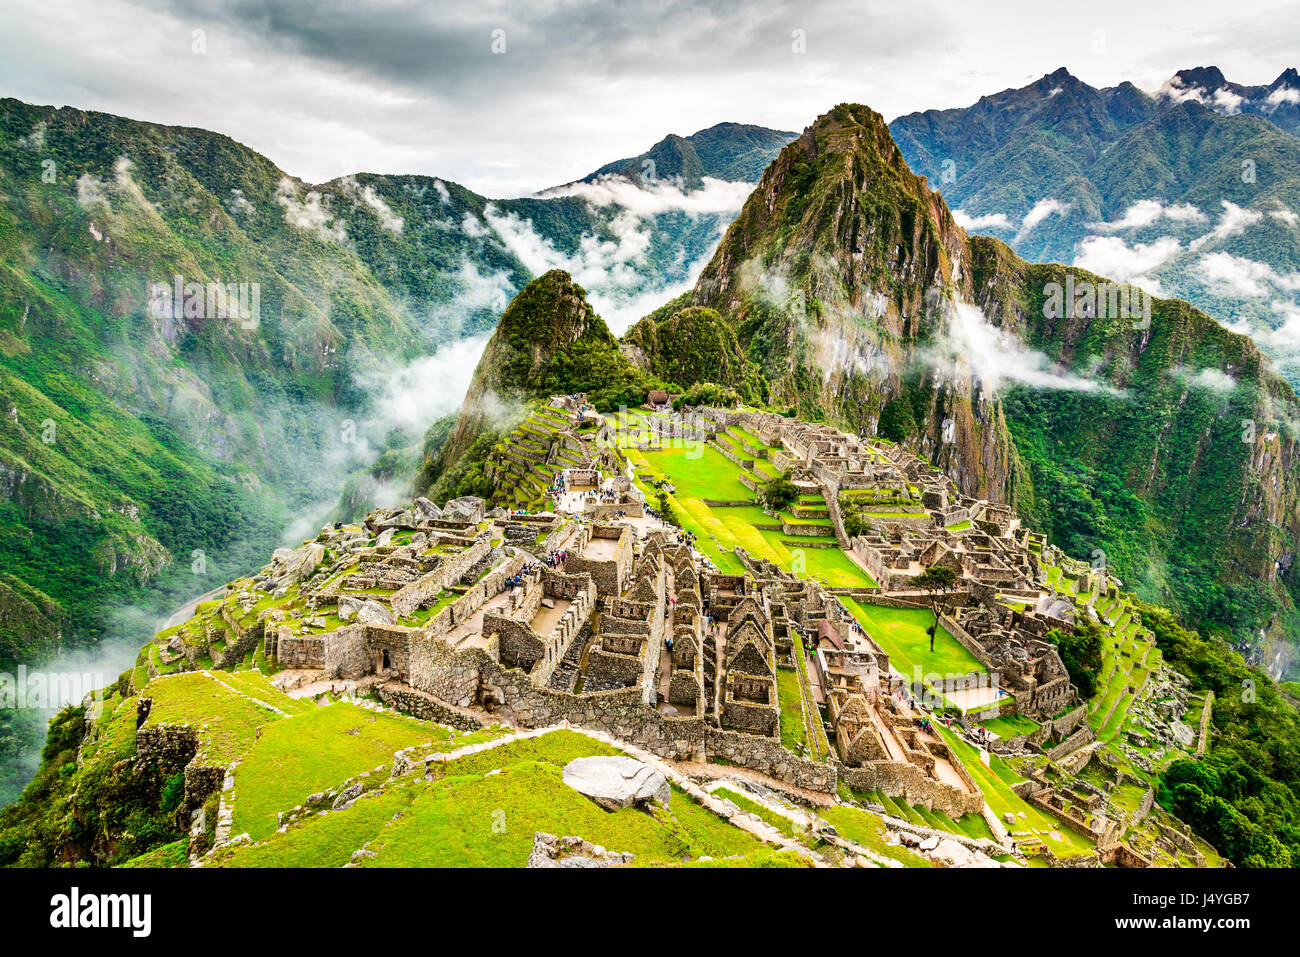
point(326, 87)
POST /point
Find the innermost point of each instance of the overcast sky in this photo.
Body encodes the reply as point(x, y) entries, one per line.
point(327, 87)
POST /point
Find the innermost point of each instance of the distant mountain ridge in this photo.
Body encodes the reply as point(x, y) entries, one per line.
point(1186, 193)
point(735, 152)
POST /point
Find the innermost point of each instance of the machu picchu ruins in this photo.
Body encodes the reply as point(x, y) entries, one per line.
point(629, 579)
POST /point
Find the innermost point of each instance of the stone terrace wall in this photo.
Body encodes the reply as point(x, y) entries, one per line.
point(473, 677)
point(767, 756)
point(453, 568)
point(900, 779)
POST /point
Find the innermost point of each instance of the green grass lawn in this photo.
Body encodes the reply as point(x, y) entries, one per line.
point(720, 529)
point(868, 830)
point(702, 473)
point(901, 632)
point(227, 722)
point(319, 749)
point(790, 697)
point(1011, 726)
point(472, 817)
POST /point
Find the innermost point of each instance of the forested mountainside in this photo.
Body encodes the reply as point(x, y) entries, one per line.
point(1193, 192)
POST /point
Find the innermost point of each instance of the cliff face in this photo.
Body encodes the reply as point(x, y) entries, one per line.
point(1166, 448)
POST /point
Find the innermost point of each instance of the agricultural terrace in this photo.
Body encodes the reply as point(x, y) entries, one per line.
point(901, 633)
point(701, 474)
point(1032, 826)
point(482, 809)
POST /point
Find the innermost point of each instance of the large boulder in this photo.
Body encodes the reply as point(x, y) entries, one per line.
point(371, 612)
point(427, 509)
point(466, 509)
point(291, 567)
point(616, 782)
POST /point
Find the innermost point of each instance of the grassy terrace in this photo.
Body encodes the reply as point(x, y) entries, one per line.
point(901, 632)
point(868, 830)
point(483, 809)
point(970, 825)
point(995, 780)
point(705, 473)
point(1128, 658)
point(319, 749)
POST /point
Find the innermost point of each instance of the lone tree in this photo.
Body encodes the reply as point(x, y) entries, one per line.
point(780, 493)
point(935, 580)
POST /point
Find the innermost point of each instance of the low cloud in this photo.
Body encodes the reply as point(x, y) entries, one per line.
point(996, 358)
point(1209, 379)
point(387, 218)
point(1042, 209)
point(622, 280)
point(1230, 275)
point(987, 221)
point(414, 396)
point(1114, 258)
point(1146, 212)
point(309, 213)
point(1282, 95)
point(1233, 222)
point(651, 197)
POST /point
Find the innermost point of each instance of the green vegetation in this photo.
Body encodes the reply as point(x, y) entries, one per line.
point(1081, 653)
point(903, 633)
point(1242, 795)
point(318, 750)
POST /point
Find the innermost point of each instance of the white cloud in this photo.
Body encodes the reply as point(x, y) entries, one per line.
point(1174, 91)
point(1245, 278)
point(1283, 94)
point(1233, 222)
point(310, 213)
point(35, 140)
point(1227, 102)
point(412, 397)
point(90, 191)
point(1285, 215)
point(1212, 380)
point(649, 197)
point(239, 201)
point(1146, 212)
point(622, 282)
point(1042, 209)
point(987, 221)
point(1281, 342)
point(1112, 257)
point(974, 346)
point(387, 218)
